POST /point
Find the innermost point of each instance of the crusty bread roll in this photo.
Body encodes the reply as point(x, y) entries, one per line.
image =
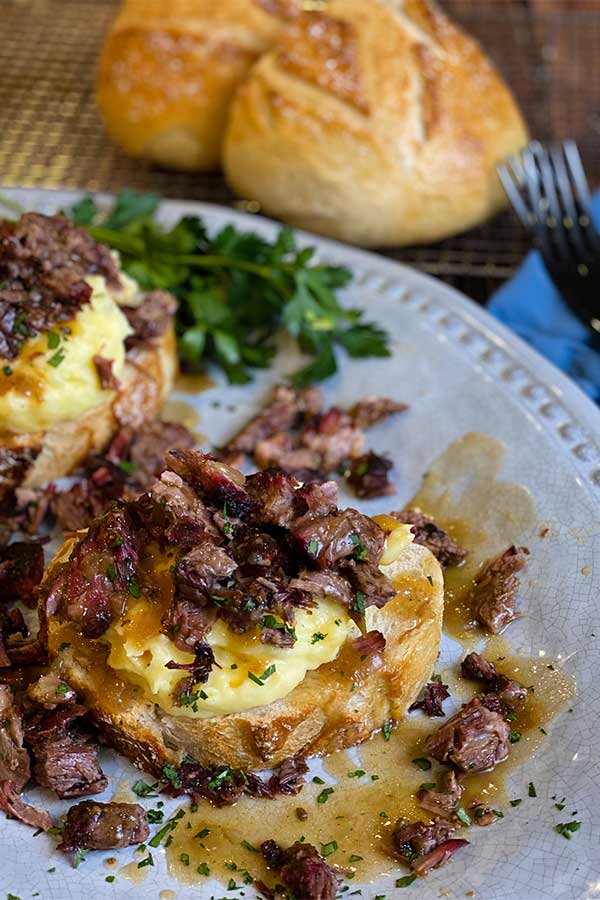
point(319, 716)
point(44, 456)
point(376, 122)
point(168, 70)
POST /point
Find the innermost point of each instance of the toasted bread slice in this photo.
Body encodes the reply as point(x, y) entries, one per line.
point(35, 458)
point(335, 706)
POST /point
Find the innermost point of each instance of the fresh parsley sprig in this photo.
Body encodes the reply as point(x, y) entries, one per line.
point(236, 290)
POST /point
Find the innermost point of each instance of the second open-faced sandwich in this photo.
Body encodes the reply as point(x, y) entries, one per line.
point(241, 621)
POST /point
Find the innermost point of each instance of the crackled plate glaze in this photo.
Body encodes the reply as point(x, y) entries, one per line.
point(460, 371)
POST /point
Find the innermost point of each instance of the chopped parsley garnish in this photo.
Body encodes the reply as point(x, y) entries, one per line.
point(329, 848)
point(422, 763)
point(184, 858)
point(359, 603)
point(226, 523)
point(62, 688)
point(53, 340)
point(249, 846)
point(232, 886)
point(531, 789)
point(464, 817)
point(515, 737)
point(203, 869)
point(111, 572)
point(202, 834)
point(358, 773)
point(318, 780)
point(405, 881)
point(270, 621)
point(127, 466)
point(56, 359)
point(169, 826)
point(217, 599)
point(427, 786)
point(543, 730)
point(516, 802)
point(133, 586)
point(387, 731)
point(148, 861)
point(7, 371)
point(313, 547)
point(79, 858)
point(170, 773)
point(155, 816)
point(141, 789)
point(63, 646)
point(109, 879)
point(430, 579)
point(317, 636)
point(559, 806)
point(325, 795)
point(255, 679)
point(355, 858)
point(567, 828)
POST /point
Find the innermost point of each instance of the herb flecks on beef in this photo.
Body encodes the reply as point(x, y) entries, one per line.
point(44, 261)
point(425, 847)
point(104, 826)
point(475, 739)
point(223, 786)
point(444, 799)
point(426, 532)
point(369, 476)
point(301, 870)
point(493, 599)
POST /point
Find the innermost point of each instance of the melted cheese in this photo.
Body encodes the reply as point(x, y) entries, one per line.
point(139, 652)
point(37, 394)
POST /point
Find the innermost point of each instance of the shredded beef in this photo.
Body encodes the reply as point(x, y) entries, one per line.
point(369, 476)
point(493, 598)
point(43, 263)
point(174, 514)
point(197, 573)
point(371, 410)
point(11, 624)
point(370, 644)
point(371, 586)
point(445, 799)
point(14, 759)
point(64, 759)
point(200, 669)
point(431, 699)
point(277, 493)
point(272, 854)
point(218, 484)
point(50, 690)
point(223, 786)
point(14, 463)
point(282, 413)
point(327, 539)
point(306, 874)
point(279, 451)
point(324, 584)
point(414, 839)
point(21, 571)
point(26, 653)
point(483, 815)
point(187, 624)
point(12, 805)
point(502, 693)
point(104, 368)
point(318, 499)
point(333, 439)
point(438, 856)
point(104, 826)
point(475, 739)
point(478, 667)
point(151, 318)
point(426, 532)
point(257, 549)
point(92, 588)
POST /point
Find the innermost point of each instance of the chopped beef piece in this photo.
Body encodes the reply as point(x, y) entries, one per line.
point(276, 492)
point(224, 786)
point(285, 409)
point(320, 499)
point(145, 447)
point(245, 604)
point(104, 826)
point(151, 319)
point(475, 739)
point(369, 476)
point(371, 410)
point(43, 264)
point(278, 451)
point(493, 598)
point(327, 539)
point(333, 438)
point(478, 667)
point(104, 368)
point(370, 644)
point(426, 532)
point(438, 856)
point(174, 514)
point(307, 476)
point(415, 839)
point(92, 588)
point(12, 805)
point(272, 854)
point(219, 484)
point(444, 800)
point(306, 875)
point(431, 699)
point(278, 633)
point(64, 759)
point(502, 693)
point(200, 668)
point(14, 759)
point(50, 690)
point(324, 584)
point(21, 571)
point(288, 779)
point(11, 623)
point(258, 549)
point(483, 815)
point(198, 571)
point(371, 586)
point(14, 463)
point(26, 653)
point(187, 624)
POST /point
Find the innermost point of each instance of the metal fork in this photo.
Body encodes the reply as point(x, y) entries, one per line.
point(549, 191)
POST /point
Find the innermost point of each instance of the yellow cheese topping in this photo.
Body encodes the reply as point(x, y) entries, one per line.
point(54, 378)
point(251, 673)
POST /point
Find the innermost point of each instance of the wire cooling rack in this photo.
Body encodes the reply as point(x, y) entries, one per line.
point(51, 134)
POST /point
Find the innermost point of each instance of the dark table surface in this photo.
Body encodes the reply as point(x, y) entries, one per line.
point(51, 135)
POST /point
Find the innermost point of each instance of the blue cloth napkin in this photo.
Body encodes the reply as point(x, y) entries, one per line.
point(530, 305)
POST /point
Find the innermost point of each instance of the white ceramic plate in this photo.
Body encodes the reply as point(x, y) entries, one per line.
point(461, 371)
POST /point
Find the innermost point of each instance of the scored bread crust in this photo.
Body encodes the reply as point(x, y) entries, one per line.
point(338, 705)
point(168, 71)
point(147, 378)
point(377, 122)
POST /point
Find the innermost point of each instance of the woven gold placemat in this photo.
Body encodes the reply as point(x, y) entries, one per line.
point(51, 134)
